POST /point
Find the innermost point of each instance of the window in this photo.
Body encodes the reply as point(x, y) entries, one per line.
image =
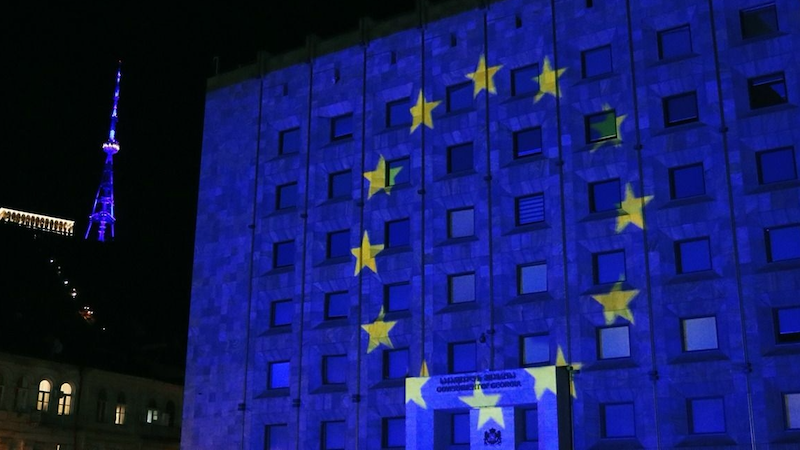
point(534, 350)
point(680, 109)
point(401, 170)
point(460, 223)
point(459, 428)
point(393, 433)
point(43, 399)
point(596, 61)
point(459, 158)
point(693, 255)
point(333, 434)
point(395, 363)
point(334, 368)
point(618, 420)
point(462, 288)
point(767, 90)
point(337, 305)
point(783, 243)
point(342, 127)
point(276, 437)
point(278, 375)
point(531, 278)
point(65, 400)
point(119, 411)
point(776, 165)
point(398, 113)
point(397, 233)
point(289, 141)
point(706, 415)
point(613, 342)
point(459, 97)
point(396, 297)
point(528, 142)
point(787, 325)
point(759, 21)
point(528, 425)
point(102, 404)
point(338, 244)
point(601, 126)
point(791, 408)
point(687, 181)
point(152, 412)
point(286, 196)
point(530, 209)
point(281, 312)
point(699, 333)
point(525, 80)
point(674, 42)
point(462, 357)
point(609, 267)
point(340, 184)
point(283, 254)
point(604, 196)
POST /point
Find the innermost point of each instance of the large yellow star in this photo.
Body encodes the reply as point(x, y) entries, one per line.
point(414, 391)
point(615, 303)
point(483, 77)
point(379, 332)
point(545, 377)
point(377, 178)
point(421, 113)
point(365, 254)
point(632, 207)
point(423, 370)
point(548, 81)
point(486, 405)
point(609, 127)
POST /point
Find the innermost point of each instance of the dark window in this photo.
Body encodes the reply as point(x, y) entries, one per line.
point(333, 435)
point(783, 243)
point(674, 42)
point(687, 181)
point(340, 184)
point(699, 333)
point(601, 126)
point(767, 90)
point(278, 375)
point(525, 80)
point(528, 428)
point(759, 21)
point(596, 61)
point(337, 305)
point(395, 363)
point(604, 196)
point(609, 267)
point(530, 209)
point(706, 415)
point(397, 233)
point(532, 278)
point(459, 97)
point(281, 312)
point(680, 109)
point(342, 127)
point(461, 288)
point(283, 254)
point(693, 255)
point(398, 113)
point(613, 342)
point(334, 369)
point(460, 223)
point(394, 432)
point(290, 141)
point(459, 158)
point(618, 420)
point(401, 170)
point(791, 410)
point(276, 437)
point(286, 196)
point(462, 357)
point(787, 325)
point(534, 350)
point(776, 165)
point(528, 142)
point(338, 244)
point(397, 297)
point(459, 429)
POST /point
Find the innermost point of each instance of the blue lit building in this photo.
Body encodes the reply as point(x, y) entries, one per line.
point(511, 225)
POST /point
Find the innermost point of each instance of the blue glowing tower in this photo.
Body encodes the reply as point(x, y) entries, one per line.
point(103, 208)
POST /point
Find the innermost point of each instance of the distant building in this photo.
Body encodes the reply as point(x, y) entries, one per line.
point(421, 234)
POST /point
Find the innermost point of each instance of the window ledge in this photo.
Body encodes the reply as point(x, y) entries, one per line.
point(782, 348)
point(289, 155)
point(391, 383)
point(611, 364)
point(458, 307)
point(602, 215)
point(333, 323)
point(670, 129)
point(335, 200)
point(528, 227)
point(334, 261)
point(763, 37)
point(617, 443)
point(787, 436)
point(393, 315)
point(605, 287)
point(599, 77)
point(272, 393)
point(766, 110)
point(458, 240)
point(522, 299)
point(282, 211)
point(776, 186)
point(690, 277)
point(458, 112)
point(596, 145)
point(396, 250)
point(699, 356)
point(710, 439)
point(276, 331)
point(280, 270)
point(674, 59)
point(678, 202)
point(330, 388)
point(457, 175)
point(777, 266)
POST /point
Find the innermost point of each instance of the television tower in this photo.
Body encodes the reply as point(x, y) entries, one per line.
point(103, 208)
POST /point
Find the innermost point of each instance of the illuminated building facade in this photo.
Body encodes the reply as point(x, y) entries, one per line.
point(517, 192)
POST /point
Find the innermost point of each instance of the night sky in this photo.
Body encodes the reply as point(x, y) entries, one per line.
point(59, 65)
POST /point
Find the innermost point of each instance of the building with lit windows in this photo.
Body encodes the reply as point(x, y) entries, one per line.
point(512, 224)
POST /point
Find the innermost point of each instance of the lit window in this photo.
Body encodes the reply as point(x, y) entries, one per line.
point(525, 80)
point(787, 325)
point(340, 184)
point(283, 254)
point(528, 142)
point(460, 223)
point(532, 278)
point(767, 90)
point(342, 127)
point(776, 165)
point(693, 255)
point(459, 97)
point(338, 244)
point(459, 158)
point(674, 42)
point(65, 400)
point(337, 305)
point(395, 363)
point(613, 342)
point(278, 375)
point(534, 350)
point(393, 434)
point(397, 233)
point(286, 196)
point(276, 437)
point(334, 369)
point(791, 407)
point(530, 209)
point(609, 267)
point(783, 243)
point(596, 61)
point(152, 412)
point(604, 196)
point(759, 21)
point(398, 172)
point(43, 399)
point(462, 357)
point(119, 411)
point(601, 126)
point(687, 181)
point(289, 141)
point(459, 429)
point(680, 109)
point(281, 312)
point(618, 420)
point(333, 435)
point(398, 113)
point(462, 288)
point(699, 333)
point(397, 297)
point(706, 415)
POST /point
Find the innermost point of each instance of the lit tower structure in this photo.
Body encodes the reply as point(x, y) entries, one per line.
point(103, 208)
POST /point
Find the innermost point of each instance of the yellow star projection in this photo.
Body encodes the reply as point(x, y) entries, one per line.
point(365, 254)
point(379, 332)
point(377, 178)
point(545, 377)
point(632, 209)
point(483, 77)
point(609, 127)
point(414, 391)
point(486, 406)
point(421, 113)
point(615, 303)
point(548, 81)
point(423, 370)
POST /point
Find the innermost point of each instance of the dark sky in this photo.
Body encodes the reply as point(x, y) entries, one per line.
point(59, 61)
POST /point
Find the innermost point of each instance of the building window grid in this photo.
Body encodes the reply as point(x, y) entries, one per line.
point(791, 410)
point(459, 429)
point(758, 21)
point(529, 209)
point(333, 369)
point(699, 334)
point(596, 61)
point(783, 243)
point(459, 97)
point(396, 297)
point(531, 278)
point(276, 436)
point(337, 305)
point(601, 126)
point(680, 109)
point(528, 142)
point(525, 80)
point(278, 375)
point(340, 184)
point(397, 113)
point(706, 415)
point(43, 398)
point(286, 196)
point(605, 195)
point(333, 435)
point(460, 223)
point(393, 433)
point(787, 325)
point(767, 90)
point(461, 288)
point(462, 357)
point(534, 350)
point(674, 42)
point(397, 233)
point(618, 420)
point(687, 181)
point(613, 342)
point(395, 363)
point(776, 165)
point(402, 176)
point(283, 254)
point(65, 400)
point(460, 158)
point(289, 141)
point(609, 267)
point(280, 313)
point(342, 127)
point(693, 255)
point(338, 244)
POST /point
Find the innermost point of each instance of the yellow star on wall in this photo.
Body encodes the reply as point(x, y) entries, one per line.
point(414, 391)
point(486, 406)
point(423, 370)
point(607, 127)
point(421, 113)
point(548, 81)
point(365, 254)
point(615, 303)
point(632, 209)
point(377, 178)
point(545, 377)
point(379, 332)
point(483, 77)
